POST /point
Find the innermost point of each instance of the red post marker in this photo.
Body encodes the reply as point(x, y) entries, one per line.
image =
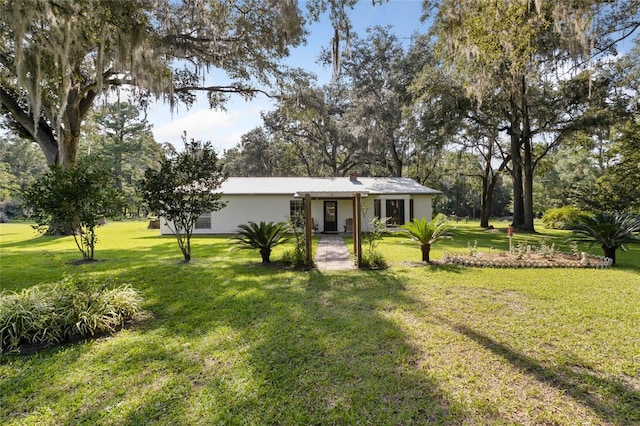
point(510, 230)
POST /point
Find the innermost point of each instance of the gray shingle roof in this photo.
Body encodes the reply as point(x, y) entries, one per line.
point(331, 185)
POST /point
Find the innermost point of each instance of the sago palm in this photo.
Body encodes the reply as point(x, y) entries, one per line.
point(610, 230)
point(427, 233)
point(262, 236)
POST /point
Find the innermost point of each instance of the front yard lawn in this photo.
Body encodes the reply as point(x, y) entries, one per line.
point(228, 341)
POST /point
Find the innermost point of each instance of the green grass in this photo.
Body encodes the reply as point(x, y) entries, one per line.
point(228, 341)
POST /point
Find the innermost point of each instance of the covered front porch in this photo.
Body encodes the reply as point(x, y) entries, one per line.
point(334, 218)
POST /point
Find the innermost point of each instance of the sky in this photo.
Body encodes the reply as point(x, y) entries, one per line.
point(225, 128)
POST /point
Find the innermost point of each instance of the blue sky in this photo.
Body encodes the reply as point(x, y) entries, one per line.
point(224, 129)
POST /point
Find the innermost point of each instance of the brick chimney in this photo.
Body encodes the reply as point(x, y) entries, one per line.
point(353, 176)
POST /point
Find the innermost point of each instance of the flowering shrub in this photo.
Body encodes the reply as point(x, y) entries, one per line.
point(520, 259)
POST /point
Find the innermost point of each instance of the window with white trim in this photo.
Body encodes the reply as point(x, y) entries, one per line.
point(296, 212)
point(203, 221)
point(395, 212)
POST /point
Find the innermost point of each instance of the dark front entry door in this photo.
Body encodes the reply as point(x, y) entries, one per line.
point(330, 216)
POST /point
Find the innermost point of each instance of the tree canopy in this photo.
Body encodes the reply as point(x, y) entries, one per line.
point(57, 57)
point(532, 60)
point(495, 93)
point(523, 92)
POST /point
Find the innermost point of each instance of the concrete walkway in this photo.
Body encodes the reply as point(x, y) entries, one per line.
point(332, 254)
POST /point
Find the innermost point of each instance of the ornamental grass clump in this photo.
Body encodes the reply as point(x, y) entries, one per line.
point(46, 315)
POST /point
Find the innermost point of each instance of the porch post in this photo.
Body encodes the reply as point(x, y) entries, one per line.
point(354, 226)
point(307, 228)
point(357, 228)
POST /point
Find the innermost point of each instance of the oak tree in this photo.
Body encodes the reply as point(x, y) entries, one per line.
point(56, 58)
point(532, 57)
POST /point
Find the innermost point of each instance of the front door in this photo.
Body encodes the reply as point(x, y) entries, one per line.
point(330, 216)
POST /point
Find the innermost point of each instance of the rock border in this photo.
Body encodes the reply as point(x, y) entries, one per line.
point(507, 260)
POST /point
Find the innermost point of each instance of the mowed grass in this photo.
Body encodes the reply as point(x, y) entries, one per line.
point(228, 341)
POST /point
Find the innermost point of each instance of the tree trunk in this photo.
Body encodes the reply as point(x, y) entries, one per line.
point(426, 249)
point(184, 242)
point(397, 161)
point(66, 158)
point(41, 133)
point(69, 149)
point(488, 186)
point(266, 255)
point(518, 201)
point(528, 225)
point(610, 252)
point(528, 166)
point(117, 169)
point(72, 120)
point(516, 169)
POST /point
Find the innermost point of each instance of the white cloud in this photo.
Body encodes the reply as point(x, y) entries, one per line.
point(223, 128)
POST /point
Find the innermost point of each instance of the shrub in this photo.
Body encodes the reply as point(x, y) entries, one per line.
point(76, 199)
point(373, 259)
point(427, 233)
point(297, 257)
point(185, 188)
point(50, 314)
point(610, 230)
point(263, 236)
point(567, 217)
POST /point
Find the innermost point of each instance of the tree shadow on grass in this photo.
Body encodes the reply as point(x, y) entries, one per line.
point(35, 241)
point(281, 347)
point(239, 343)
point(436, 266)
point(628, 261)
point(341, 360)
point(615, 403)
point(130, 381)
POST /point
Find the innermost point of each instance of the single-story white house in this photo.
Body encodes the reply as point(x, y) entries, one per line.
point(277, 199)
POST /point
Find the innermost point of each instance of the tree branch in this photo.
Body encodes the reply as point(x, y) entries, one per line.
point(225, 89)
point(4, 60)
point(43, 134)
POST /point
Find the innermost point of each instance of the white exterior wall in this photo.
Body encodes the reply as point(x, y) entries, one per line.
point(241, 209)
point(317, 213)
point(422, 206)
point(368, 210)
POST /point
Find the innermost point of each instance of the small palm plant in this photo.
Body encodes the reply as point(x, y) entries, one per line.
point(427, 233)
point(610, 230)
point(262, 236)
